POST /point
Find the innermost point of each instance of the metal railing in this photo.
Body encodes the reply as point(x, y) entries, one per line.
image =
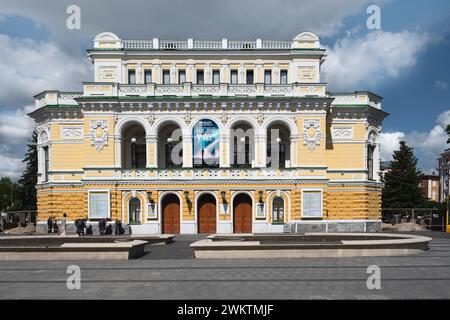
point(427, 218)
point(14, 219)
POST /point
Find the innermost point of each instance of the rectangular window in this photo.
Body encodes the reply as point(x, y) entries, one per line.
point(249, 76)
point(312, 204)
point(200, 77)
point(98, 204)
point(283, 77)
point(46, 165)
point(166, 77)
point(131, 77)
point(267, 77)
point(216, 76)
point(181, 76)
point(234, 76)
point(148, 76)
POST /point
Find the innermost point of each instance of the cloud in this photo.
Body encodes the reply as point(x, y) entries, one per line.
point(208, 19)
point(389, 143)
point(357, 63)
point(441, 85)
point(15, 130)
point(29, 67)
point(427, 145)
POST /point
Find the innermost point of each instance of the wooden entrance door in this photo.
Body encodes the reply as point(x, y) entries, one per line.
point(242, 214)
point(206, 207)
point(171, 214)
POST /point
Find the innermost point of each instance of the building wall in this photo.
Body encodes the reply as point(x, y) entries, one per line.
point(329, 134)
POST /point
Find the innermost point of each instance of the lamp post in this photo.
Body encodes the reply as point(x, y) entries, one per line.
point(169, 153)
point(133, 152)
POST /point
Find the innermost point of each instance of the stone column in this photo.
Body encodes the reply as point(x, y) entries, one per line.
point(276, 74)
point(187, 150)
point(261, 149)
point(173, 74)
point(224, 74)
point(293, 151)
point(118, 151)
point(152, 151)
point(139, 76)
point(224, 150)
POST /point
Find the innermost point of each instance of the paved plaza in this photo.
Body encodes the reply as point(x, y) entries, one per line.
point(171, 272)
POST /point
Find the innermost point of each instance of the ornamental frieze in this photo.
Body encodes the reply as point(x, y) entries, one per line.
point(311, 133)
point(342, 133)
point(99, 134)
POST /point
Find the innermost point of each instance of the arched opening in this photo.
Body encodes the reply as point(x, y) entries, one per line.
point(205, 140)
point(206, 213)
point(242, 145)
point(134, 147)
point(242, 214)
point(170, 214)
point(371, 155)
point(278, 146)
point(170, 151)
point(278, 210)
point(134, 211)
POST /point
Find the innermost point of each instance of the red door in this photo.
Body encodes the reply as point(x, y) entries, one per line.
point(242, 214)
point(171, 214)
point(206, 214)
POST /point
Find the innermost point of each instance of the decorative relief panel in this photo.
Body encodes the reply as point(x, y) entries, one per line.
point(99, 134)
point(151, 119)
point(108, 74)
point(71, 133)
point(311, 133)
point(342, 133)
point(188, 119)
point(306, 74)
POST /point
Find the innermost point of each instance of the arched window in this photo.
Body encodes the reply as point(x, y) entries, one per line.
point(170, 155)
point(133, 147)
point(278, 210)
point(134, 212)
point(206, 148)
point(278, 146)
point(241, 145)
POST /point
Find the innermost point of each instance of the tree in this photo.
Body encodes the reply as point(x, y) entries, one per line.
point(401, 188)
point(9, 195)
point(28, 181)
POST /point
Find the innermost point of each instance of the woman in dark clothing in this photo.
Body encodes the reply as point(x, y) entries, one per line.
point(50, 224)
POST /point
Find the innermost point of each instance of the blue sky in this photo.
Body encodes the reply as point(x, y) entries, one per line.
point(407, 61)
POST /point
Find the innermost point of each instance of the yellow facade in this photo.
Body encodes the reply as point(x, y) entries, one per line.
point(107, 151)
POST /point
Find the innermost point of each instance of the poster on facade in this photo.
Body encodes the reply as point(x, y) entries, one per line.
point(206, 143)
point(98, 205)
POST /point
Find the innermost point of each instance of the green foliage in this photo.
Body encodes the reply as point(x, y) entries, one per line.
point(28, 181)
point(21, 195)
point(401, 188)
point(9, 195)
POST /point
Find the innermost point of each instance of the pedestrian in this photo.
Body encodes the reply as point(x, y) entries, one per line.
point(79, 225)
point(102, 226)
point(50, 224)
point(63, 225)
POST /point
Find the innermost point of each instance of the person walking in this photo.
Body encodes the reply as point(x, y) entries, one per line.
point(50, 224)
point(63, 225)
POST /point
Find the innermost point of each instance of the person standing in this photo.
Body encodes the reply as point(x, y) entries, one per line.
point(63, 225)
point(50, 224)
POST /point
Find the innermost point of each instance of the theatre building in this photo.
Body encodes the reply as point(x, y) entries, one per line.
point(219, 136)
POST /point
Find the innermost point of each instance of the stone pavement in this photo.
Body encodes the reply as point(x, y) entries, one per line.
point(170, 272)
